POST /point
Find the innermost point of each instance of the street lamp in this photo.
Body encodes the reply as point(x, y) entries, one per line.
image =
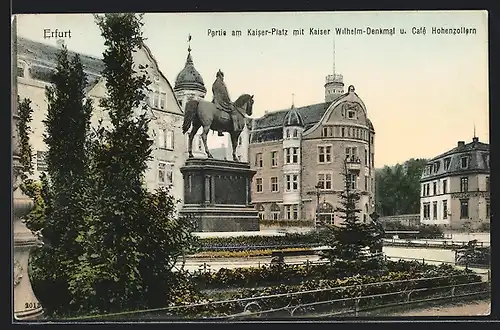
point(318, 193)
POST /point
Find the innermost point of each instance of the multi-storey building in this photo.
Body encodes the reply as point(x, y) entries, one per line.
point(455, 187)
point(300, 153)
point(36, 63)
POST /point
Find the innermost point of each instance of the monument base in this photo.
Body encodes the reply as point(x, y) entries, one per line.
point(217, 195)
point(222, 219)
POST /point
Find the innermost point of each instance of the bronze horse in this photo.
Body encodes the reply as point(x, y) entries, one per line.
point(205, 114)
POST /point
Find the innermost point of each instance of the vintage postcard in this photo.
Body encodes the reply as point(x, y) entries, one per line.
point(250, 166)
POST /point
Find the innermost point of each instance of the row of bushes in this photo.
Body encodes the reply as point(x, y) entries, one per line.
point(287, 223)
point(294, 274)
point(244, 253)
point(307, 239)
point(347, 288)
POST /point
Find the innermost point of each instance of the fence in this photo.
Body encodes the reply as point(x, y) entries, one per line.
point(296, 304)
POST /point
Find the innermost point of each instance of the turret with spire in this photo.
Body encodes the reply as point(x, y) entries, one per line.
point(334, 84)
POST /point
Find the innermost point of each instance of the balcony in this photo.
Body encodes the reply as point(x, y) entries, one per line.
point(353, 163)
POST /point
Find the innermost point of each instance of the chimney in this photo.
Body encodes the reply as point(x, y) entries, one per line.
point(475, 139)
point(461, 143)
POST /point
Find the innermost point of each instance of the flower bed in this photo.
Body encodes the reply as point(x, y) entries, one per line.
point(244, 254)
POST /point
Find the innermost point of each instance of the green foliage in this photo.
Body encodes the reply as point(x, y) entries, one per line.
point(353, 239)
point(23, 127)
point(398, 188)
point(252, 242)
point(424, 231)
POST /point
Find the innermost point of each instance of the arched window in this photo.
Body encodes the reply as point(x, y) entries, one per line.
point(325, 213)
point(261, 210)
point(295, 133)
point(287, 133)
point(275, 211)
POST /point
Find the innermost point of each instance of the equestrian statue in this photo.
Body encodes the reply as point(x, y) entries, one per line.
point(220, 115)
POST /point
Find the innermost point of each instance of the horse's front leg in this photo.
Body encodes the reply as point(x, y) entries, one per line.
point(234, 145)
point(204, 138)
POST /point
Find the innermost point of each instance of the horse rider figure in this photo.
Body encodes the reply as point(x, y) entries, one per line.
point(221, 99)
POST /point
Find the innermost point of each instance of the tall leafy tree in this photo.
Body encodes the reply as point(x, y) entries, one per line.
point(138, 235)
point(398, 188)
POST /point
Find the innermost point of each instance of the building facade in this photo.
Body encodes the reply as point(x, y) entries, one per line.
point(455, 187)
point(36, 62)
point(301, 148)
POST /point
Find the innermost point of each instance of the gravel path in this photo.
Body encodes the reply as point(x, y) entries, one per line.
point(471, 308)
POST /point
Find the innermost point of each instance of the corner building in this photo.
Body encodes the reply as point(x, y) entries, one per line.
point(296, 149)
point(455, 187)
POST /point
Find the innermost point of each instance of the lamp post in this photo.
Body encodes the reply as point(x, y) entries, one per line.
point(26, 306)
point(318, 194)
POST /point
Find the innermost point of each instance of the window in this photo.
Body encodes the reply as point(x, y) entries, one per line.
point(20, 70)
point(275, 212)
point(287, 133)
point(463, 162)
point(351, 153)
point(295, 133)
point(436, 166)
point(41, 161)
point(426, 210)
point(325, 154)
point(351, 114)
point(372, 160)
point(258, 182)
point(351, 180)
point(434, 210)
point(464, 209)
point(258, 160)
point(445, 186)
point(325, 181)
point(487, 209)
point(292, 212)
point(166, 139)
point(274, 158)
point(372, 185)
point(165, 173)
point(366, 157)
point(487, 183)
point(434, 188)
point(274, 184)
point(287, 155)
point(292, 182)
point(155, 99)
point(295, 155)
point(464, 184)
point(445, 209)
point(324, 132)
point(343, 131)
point(170, 139)
point(366, 182)
point(163, 100)
point(447, 162)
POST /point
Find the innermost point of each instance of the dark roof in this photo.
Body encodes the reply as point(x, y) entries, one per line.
point(270, 126)
point(189, 77)
point(47, 54)
point(474, 145)
point(44, 60)
point(478, 161)
point(293, 118)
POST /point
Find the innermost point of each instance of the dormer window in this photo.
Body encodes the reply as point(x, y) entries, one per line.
point(464, 162)
point(447, 162)
point(436, 167)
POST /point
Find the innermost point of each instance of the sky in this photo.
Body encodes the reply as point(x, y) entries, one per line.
point(423, 92)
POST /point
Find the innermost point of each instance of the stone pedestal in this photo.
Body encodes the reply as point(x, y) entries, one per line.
point(26, 305)
point(217, 194)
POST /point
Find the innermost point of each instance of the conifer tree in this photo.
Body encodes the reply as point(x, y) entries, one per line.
point(352, 241)
point(62, 196)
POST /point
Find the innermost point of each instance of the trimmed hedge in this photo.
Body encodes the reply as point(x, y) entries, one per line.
point(243, 254)
point(238, 242)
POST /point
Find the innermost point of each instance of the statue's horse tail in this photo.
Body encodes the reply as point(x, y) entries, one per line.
point(190, 112)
